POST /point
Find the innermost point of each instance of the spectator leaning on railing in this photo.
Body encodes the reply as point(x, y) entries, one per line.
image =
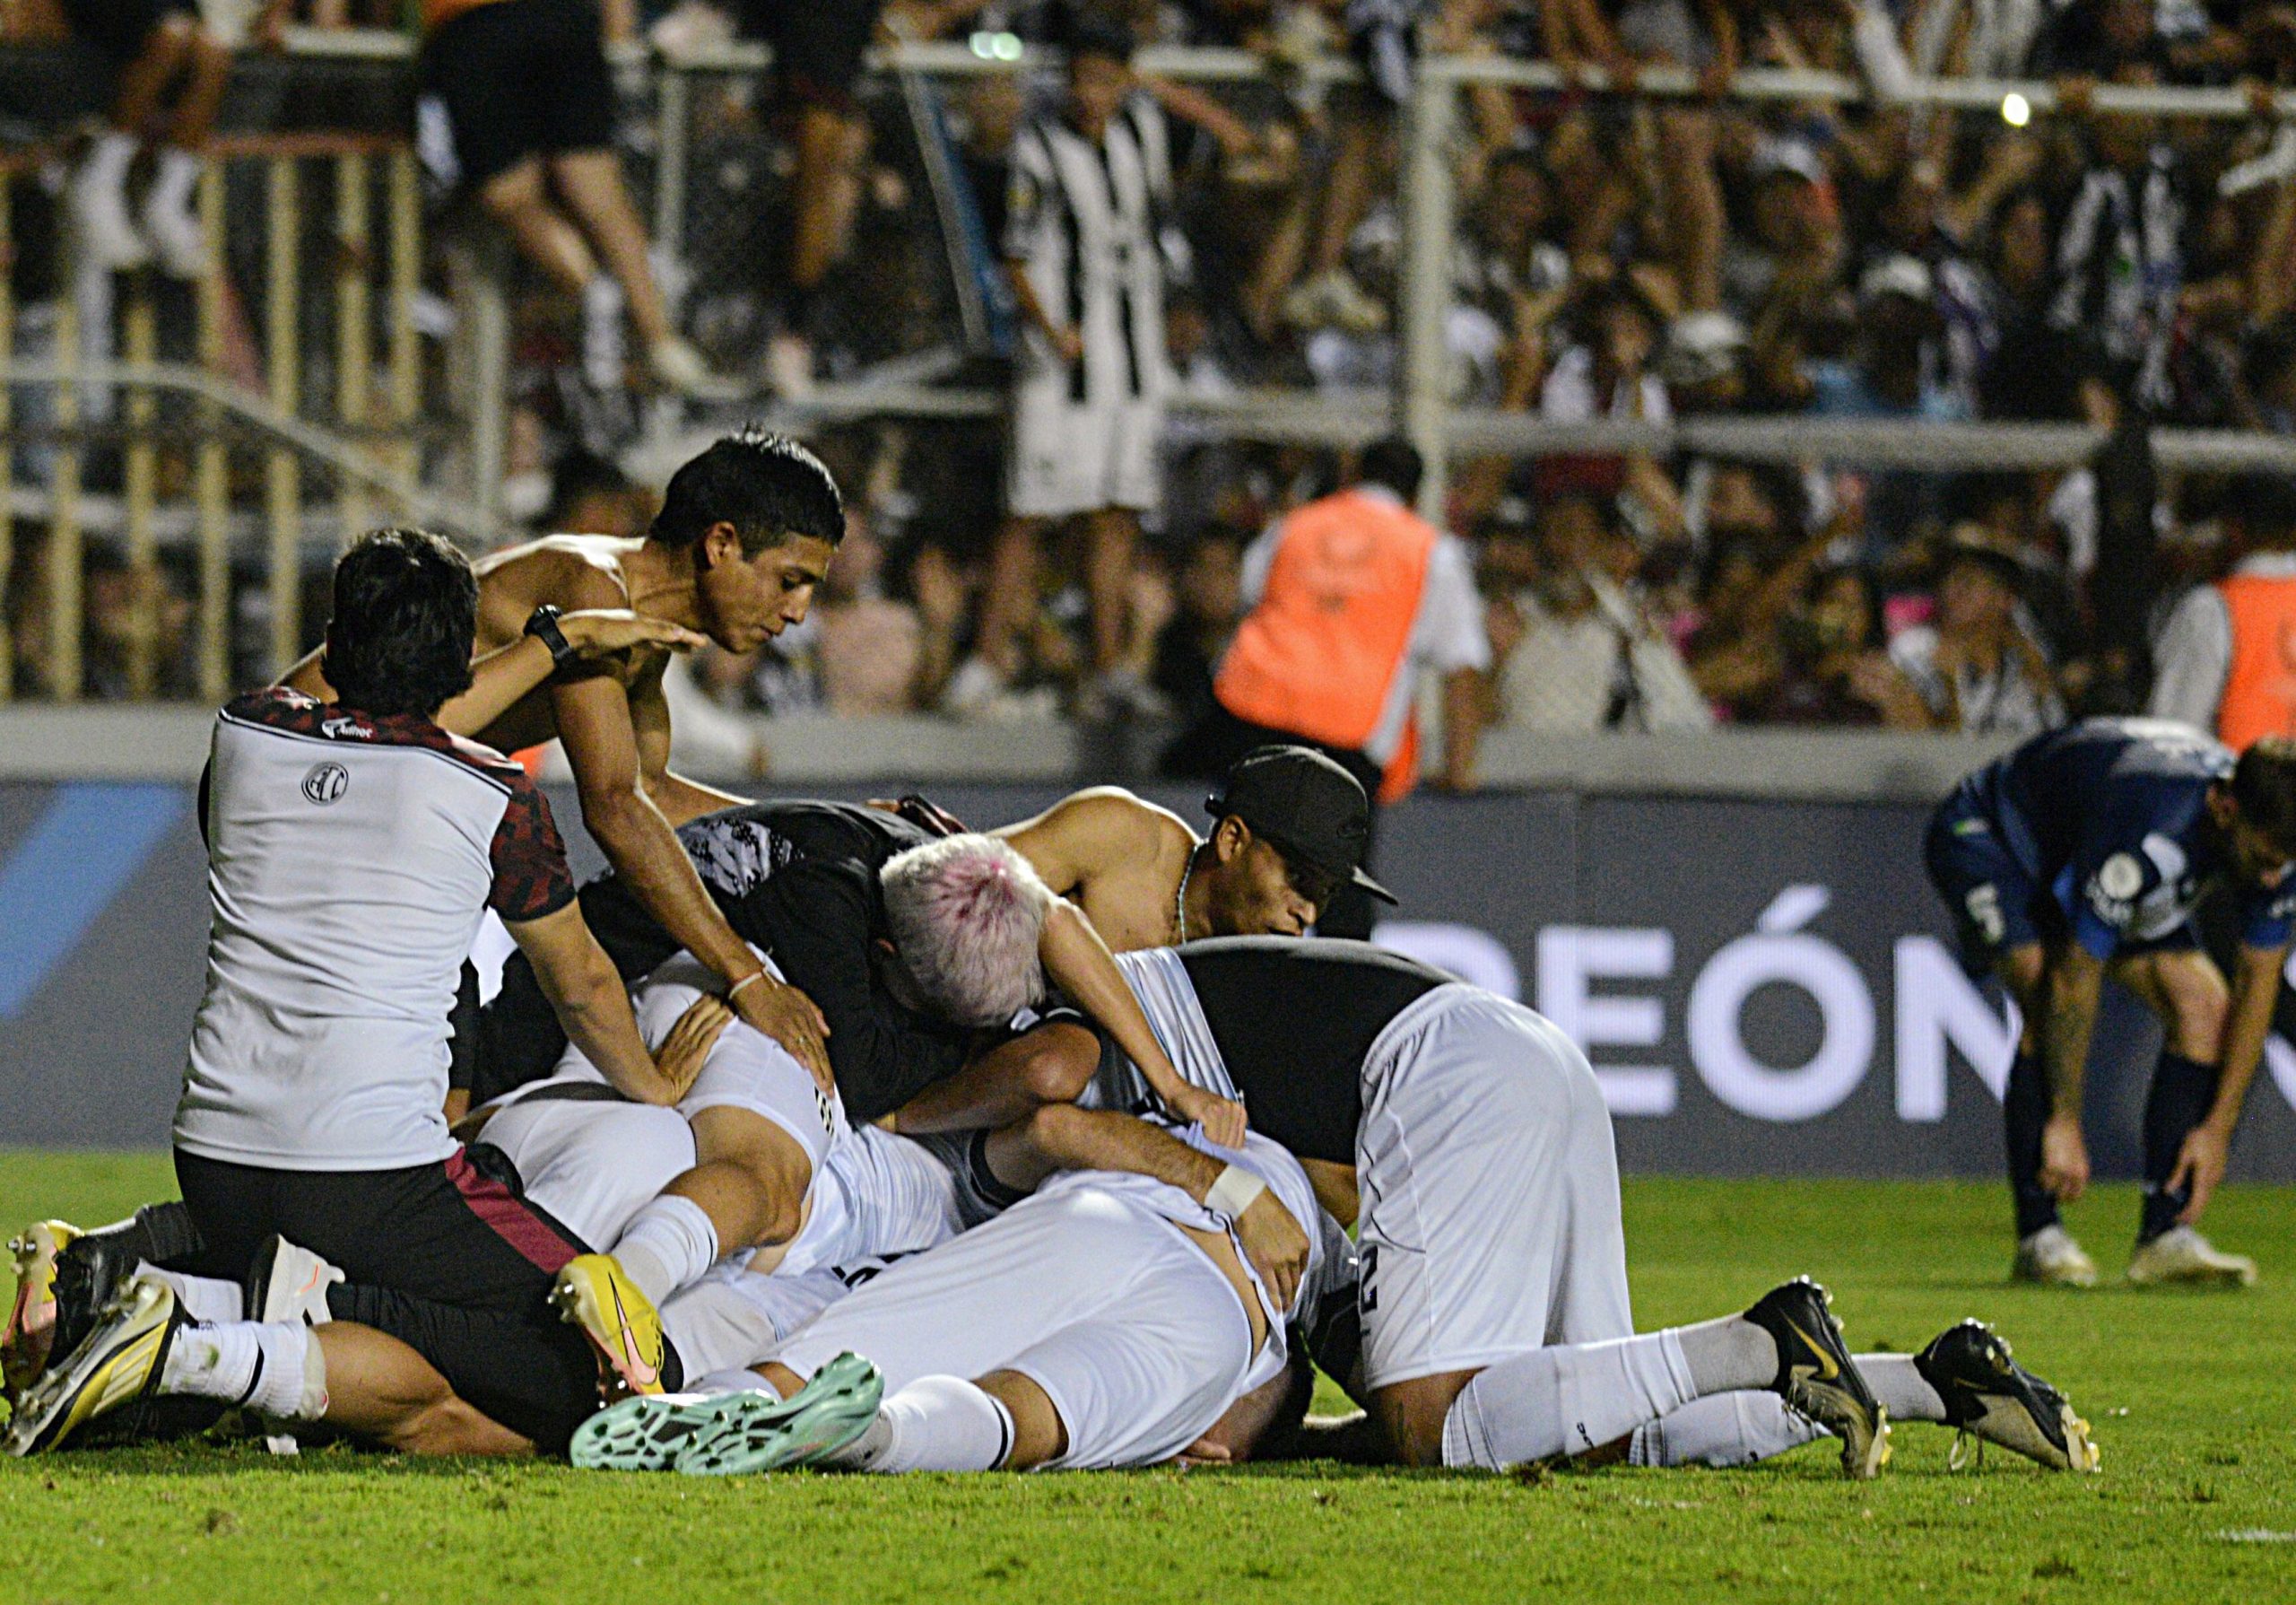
point(517, 110)
point(156, 45)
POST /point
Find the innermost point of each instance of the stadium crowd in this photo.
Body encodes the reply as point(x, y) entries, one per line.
point(1616, 256)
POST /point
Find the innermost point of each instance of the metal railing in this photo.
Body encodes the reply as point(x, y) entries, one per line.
point(122, 398)
point(368, 449)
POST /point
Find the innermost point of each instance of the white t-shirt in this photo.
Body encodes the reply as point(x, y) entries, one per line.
point(350, 861)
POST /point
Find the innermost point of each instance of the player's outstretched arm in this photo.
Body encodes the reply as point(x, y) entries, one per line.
point(584, 988)
point(1079, 963)
point(501, 678)
point(594, 722)
point(1062, 1137)
point(2207, 1149)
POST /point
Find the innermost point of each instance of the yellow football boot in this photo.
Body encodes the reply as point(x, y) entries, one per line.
point(31, 1322)
point(593, 1292)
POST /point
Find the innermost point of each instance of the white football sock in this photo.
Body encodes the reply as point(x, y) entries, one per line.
point(273, 1367)
point(668, 1244)
point(1728, 1354)
point(935, 1424)
point(1565, 1401)
point(715, 1325)
point(1899, 1386)
point(209, 1299)
point(732, 1379)
point(1724, 1429)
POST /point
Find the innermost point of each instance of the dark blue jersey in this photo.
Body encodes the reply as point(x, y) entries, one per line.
point(2110, 815)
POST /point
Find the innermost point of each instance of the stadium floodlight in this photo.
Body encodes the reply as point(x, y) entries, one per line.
point(2016, 110)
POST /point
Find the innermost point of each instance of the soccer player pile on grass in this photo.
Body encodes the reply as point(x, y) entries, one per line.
point(1003, 1229)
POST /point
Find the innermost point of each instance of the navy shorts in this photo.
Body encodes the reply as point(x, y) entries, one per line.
point(1996, 904)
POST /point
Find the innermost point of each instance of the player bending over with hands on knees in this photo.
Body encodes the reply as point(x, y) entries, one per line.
point(2085, 854)
point(746, 531)
point(354, 847)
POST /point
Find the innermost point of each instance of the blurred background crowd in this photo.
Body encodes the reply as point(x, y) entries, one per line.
point(1617, 256)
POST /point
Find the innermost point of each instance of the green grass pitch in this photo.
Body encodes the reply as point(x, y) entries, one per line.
point(2190, 1395)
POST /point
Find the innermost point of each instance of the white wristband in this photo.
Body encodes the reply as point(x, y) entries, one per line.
point(733, 991)
point(1236, 1191)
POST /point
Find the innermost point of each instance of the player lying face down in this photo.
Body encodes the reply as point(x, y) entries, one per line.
point(1106, 1321)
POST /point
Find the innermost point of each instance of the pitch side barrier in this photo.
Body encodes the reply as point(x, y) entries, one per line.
point(1736, 927)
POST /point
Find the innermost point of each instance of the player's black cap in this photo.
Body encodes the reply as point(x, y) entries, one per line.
point(1308, 806)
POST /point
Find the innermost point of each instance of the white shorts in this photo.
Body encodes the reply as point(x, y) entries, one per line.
point(878, 1195)
point(591, 1165)
point(1127, 1326)
point(745, 1070)
point(1490, 1183)
point(730, 1321)
point(1071, 457)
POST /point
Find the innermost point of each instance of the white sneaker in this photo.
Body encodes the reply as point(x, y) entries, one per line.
point(789, 366)
point(972, 690)
point(177, 240)
point(678, 366)
point(2181, 1256)
point(100, 215)
point(2052, 1258)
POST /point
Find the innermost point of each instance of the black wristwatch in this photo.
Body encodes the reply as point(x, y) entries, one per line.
point(542, 624)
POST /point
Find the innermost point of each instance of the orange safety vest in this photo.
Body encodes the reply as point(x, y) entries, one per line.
point(2260, 687)
point(1319, 653)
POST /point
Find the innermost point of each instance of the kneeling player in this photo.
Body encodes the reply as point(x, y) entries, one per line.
point(1495, 1321)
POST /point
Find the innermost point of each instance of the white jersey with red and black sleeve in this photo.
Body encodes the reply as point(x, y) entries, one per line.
point(350, 860)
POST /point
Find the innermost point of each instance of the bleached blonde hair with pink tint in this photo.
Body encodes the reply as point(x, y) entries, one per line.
point(967, 914)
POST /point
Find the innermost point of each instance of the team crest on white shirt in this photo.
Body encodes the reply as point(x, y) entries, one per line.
point(325, 783)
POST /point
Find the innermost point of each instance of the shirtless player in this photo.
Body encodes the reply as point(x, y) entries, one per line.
point(745, 533)
point(1290, 826)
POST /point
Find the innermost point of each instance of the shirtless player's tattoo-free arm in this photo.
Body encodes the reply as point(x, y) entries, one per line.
point(594, 722)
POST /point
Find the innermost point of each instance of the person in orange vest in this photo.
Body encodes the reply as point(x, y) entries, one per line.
point(2227, 655)
point(1350, 600)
